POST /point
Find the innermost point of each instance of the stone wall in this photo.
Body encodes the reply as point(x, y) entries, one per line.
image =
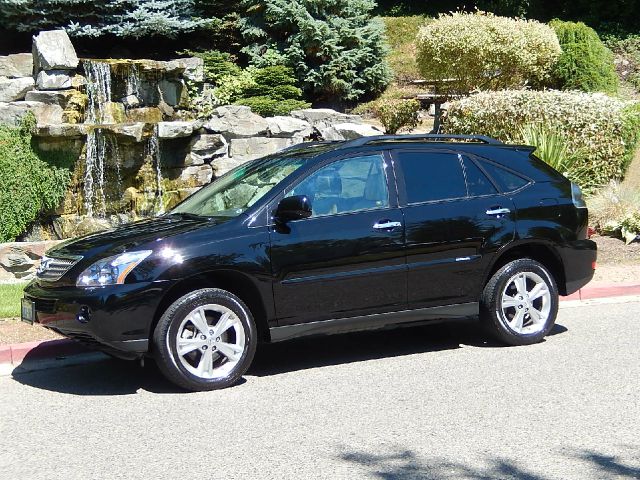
point(133, 127)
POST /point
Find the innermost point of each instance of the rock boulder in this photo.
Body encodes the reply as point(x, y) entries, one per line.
point(12, 89)
point(349, 131)
point(53, 50)
point(287, 127)
point(245, 149)
point(16, 65)
point(54, 80)
point(174, 129)
point(236, 121)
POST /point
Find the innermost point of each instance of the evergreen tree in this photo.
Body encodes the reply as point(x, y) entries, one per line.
point(335, 48)
point(85, 18)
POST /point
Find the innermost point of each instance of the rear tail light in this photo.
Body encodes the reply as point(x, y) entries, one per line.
point(576, 196)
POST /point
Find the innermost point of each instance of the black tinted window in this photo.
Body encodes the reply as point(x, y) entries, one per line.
point(432, 176)
point(506, 180)
point(477, 182)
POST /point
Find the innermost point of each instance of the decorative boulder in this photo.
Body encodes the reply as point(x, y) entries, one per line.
point(12, 89)
point(245, 149)
point(198, 174)
point(236, 121)
point(51, 97)
point(54, 80)
point(174, 129)
point(11, 113)
point(53, 50)
point(321, 118)
point(208, 145)
point(16, 65)
point(193, 68)
point(132, 131)
point(287, 127)
point(349, 131)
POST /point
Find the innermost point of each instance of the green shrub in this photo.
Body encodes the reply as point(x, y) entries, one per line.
point(586, 63)
point(272, 91)
point(28, 185)
point(482, 51)
point(604, 128)
point(395, 114)
point(336, 49)
point(217, 64)
point(269, 107)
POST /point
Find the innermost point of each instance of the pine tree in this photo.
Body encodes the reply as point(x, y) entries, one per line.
point(85, 18)
point(336, 49)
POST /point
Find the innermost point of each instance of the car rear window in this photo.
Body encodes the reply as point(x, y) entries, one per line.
point(477, 182)
point(506, 180)
point(430, 176)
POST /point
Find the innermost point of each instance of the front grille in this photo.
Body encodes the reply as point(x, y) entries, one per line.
point(52, 269)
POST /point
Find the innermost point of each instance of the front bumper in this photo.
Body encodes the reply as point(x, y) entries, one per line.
point(115, 318)
point(579, 259)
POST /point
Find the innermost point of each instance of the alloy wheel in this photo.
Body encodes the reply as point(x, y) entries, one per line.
point(210, 341)
point(525, 303)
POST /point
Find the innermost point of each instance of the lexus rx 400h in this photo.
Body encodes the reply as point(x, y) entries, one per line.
point(326, 238)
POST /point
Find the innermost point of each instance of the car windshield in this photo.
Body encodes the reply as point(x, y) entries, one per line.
point(242, 187)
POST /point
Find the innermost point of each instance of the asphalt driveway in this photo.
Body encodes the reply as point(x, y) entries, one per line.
point(424, 402)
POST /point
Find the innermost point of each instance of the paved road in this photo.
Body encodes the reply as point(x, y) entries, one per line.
point(427, 402)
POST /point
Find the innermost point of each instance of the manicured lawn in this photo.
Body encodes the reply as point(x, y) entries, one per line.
point(10, 295)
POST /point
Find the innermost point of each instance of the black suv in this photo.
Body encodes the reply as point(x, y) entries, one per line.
point(326, 238)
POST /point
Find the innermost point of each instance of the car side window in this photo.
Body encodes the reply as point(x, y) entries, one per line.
point(349, 185)
point(430, 176)
point(507, 181)
point(477, 182)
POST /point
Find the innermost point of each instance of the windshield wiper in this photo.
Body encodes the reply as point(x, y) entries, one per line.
point(190, 216)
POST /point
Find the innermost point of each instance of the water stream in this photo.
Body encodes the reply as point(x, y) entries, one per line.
point(102, 147)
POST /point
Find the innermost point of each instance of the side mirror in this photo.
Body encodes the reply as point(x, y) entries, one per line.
point(293, 208)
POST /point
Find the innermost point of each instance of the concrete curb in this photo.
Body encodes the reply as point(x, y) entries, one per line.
point(46, 354)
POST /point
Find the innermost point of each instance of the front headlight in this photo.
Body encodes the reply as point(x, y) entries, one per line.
point(111, 270)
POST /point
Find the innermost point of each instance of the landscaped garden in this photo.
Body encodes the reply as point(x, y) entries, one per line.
point(150, 100)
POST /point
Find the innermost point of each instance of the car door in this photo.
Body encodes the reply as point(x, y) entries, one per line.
point(455, 220)
point(348, 258)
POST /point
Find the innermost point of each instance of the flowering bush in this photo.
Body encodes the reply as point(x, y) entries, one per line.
point(605, 129)
point(483, 51)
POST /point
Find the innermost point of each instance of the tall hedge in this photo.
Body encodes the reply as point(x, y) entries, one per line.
point(28, 185)
point(468, 51)
point(586, 63)
point(335, 48)
point(605, 130)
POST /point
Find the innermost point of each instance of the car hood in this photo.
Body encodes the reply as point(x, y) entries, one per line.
point(128, 237)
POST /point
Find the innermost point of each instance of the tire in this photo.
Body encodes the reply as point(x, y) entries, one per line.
point(209, 357)
point(507, 305)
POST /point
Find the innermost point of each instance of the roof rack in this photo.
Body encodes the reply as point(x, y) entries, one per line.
point(358, 142)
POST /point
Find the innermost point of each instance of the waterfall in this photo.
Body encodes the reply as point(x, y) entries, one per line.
point(133, 83)
point(94, 172)
point(153, 152)
point(98, 76)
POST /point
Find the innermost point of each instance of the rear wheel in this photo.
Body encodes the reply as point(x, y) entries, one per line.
point(519, 304)
point(205, 340)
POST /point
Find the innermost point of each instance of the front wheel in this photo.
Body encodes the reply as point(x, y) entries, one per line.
point(519, 304)
point(205, 340)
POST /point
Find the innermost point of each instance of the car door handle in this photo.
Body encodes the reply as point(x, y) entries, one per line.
point(498, 211)
point(386, 225)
